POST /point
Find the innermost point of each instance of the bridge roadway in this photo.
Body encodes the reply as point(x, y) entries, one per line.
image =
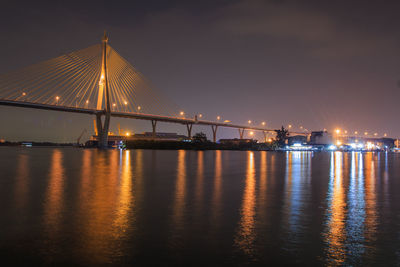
point(141, 116)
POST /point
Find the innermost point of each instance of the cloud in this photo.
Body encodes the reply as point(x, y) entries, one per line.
point(325, 35)
point(267, 18)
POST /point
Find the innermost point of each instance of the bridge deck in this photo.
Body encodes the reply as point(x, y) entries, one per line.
point(130, 115)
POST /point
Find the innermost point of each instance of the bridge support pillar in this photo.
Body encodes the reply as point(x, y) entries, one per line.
point(154, 124)
point(103, 129)
point(189, 129)
point(214, 130)
point(265, 136)
point(241, 133)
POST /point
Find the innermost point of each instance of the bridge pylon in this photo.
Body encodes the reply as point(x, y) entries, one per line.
point(103, 128)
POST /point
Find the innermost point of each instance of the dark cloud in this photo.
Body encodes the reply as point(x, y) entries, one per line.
point(325, 34)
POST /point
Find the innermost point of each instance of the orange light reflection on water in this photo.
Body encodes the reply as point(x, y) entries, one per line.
point(370, 198)
point(336, 234)
point(22, 181)
point(216, 197)
point(55, 191)
point(199, 180)
point(180, 191)
point(246, 234)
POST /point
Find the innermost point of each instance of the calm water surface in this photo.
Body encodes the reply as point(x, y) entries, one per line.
point(70, 206)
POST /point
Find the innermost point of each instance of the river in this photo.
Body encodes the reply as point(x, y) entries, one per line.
point(70, 206)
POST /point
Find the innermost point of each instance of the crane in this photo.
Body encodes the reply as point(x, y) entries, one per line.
point(80, 136)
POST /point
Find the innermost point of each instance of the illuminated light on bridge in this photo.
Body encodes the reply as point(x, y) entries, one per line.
point(200, 116)
point(355, 132)
point(251, 133)
point(218, 118)
point(98, 75)
point(263, 123)
point(385, 135)
point(375, 134)
point(249, 121)
point(337, 131)
point(289, 126)
point(365, 133)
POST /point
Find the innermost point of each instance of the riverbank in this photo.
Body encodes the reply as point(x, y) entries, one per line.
point(177, 145)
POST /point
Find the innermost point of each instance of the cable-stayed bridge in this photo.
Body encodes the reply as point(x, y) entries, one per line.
point(98, 81)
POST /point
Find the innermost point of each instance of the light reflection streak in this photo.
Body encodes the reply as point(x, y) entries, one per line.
point(199, 180)
point(263, 186)
point(356, 208)
point(298, 175)
point(246, 235)
point(180, 191)
point(216, 198)
point(86, 173)
point(53, 205)
point(125, 198)
point(336, 234)
point(370, 198)
point(98, 207)
point(22, 179)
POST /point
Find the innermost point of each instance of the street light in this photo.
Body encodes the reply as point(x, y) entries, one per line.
point(218, 118)
point(366, 133)
point(337, 131)
point(139, 108)
point(251, 133)
point(200, 115)
point(57, 98)
point(263, 123)
point(249, 121)
point(289, 126)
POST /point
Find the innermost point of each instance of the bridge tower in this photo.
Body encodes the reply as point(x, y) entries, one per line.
point(103, 128)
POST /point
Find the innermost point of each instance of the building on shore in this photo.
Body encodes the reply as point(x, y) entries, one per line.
point(297, 139)
point(321, 138)
point(117, 140)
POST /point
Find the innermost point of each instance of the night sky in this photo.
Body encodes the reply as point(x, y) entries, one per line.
point(316, 64)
